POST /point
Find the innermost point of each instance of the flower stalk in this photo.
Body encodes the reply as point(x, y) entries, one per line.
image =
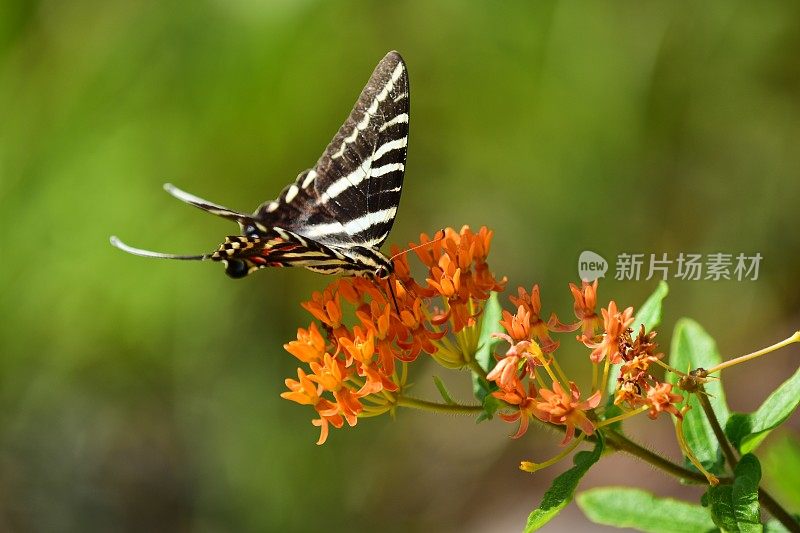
point(758, 353)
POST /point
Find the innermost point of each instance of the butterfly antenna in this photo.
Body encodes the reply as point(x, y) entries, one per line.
point(441, 234)
point(115, 242)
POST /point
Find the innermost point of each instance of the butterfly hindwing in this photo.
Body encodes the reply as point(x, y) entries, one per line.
point(351, 196)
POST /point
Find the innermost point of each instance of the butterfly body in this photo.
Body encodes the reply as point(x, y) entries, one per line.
point(335, 216)
point(244, 254)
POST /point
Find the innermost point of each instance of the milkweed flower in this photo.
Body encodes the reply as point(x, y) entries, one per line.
point(661, 399)
point(359, 369)
point(539, 329)
point(565, 408)
point(309, 346)
point(585, 302)
point(523, 403)
point(615, 324)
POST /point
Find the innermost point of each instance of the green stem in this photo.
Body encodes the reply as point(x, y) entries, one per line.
point(622, 443)
point(727, 450)
point(623, 416)
point(769, 503)
point(778, 512)
point(476, 367)
point(425, 405)
point(759, 353)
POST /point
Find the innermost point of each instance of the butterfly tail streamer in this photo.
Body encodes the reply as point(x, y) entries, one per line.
point(117, 243)
point(209, 207)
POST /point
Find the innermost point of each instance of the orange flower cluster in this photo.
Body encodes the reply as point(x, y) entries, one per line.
point(529, 340)
point(552, 405)
point(635, 386)
point(458, 272)
point(353, 370)
point(355, 353)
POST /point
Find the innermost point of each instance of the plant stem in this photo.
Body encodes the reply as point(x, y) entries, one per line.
point(769, 503)
point(622, 443)
point(530, 466)
point(623, 416)
point(778, 512)
point(768, 349)
point(425, 405)
point(727, 451)
point(476, 367)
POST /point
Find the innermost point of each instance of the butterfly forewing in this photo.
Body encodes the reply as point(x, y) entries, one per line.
point(351, 196)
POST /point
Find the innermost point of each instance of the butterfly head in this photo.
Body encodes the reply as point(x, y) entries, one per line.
point(383, 271)
point(240, 254)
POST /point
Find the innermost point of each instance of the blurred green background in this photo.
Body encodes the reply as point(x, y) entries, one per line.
point(143, 395)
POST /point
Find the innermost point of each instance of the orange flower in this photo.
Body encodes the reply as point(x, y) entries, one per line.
point(330, 374)
point(302, 391)
point(429, 255)
point(561, 407)
point(446, 278)
point(506, 371)
point(356, 289)
point(481, 242)
point(326, 308)
point(538, 327)
point(518, 326)
point(376, 381)
point(328, 415)
point(361, 351)
point(585, 301)
point(417, 337)
point(378, 319)
point(525, 403)
point(465, 251)
point(661, 399)
point(615, 324)
point(309, 346)
point(629, 392)
point(636, 367)
point(362, 348)
point(402, 273)
point(525, 350)
point(306, 393)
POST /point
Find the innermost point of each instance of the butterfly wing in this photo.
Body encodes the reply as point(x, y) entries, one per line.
point(351, 196)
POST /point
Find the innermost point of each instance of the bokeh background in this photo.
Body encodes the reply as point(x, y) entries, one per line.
point(143, 395)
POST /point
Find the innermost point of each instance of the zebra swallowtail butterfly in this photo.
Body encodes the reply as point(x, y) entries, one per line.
point(335, 216)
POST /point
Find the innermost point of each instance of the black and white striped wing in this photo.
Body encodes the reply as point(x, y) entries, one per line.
point(351, 196)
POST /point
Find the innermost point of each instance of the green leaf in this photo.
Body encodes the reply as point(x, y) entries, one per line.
point(490, 323)
point(490, 407)
point(563, 488)
point(693, 348)
point(638, 509)
point(746, 431)
point(735, 507)
point(443, 392)
point(648, 314)
point(781, 462)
